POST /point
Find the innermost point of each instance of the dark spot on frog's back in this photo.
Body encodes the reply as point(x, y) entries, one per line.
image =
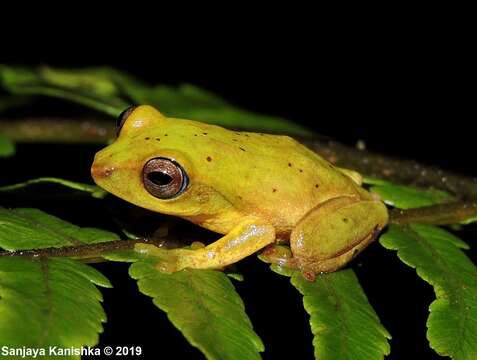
point(274, 190)
point(146, 138)
point(209, 159)
point(241, 148)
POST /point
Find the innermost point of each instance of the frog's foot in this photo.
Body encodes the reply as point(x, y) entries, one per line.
point(282, 256)
point(167, 260)
point(167, 265)
point(279, 255)
point(170, 260)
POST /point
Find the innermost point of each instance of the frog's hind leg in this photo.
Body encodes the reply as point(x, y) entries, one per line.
point(334, 232)
point(330, 235)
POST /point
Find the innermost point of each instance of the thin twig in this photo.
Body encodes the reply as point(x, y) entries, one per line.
point(58, 130)
point(92, 251)
point(442, 214)
point(406, 172)
point(400, 171)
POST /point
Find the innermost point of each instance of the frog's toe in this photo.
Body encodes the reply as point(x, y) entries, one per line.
point(309, 275)
point(279, 255)
point(197, 245)
point(167, 260)
point(167, 265)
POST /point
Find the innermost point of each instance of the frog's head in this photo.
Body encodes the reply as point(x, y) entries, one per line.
point(150, 164)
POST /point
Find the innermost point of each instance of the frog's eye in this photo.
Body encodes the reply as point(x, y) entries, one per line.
point(164, 178)
point(123, 117)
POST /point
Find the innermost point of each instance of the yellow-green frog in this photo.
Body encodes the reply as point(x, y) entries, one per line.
point(256, 189)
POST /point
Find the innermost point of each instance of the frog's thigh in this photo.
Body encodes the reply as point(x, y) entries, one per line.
point(331, 234)
point(245, 239)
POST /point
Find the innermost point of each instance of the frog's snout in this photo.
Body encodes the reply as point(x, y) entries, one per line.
point(100, 169)
point(99, 172)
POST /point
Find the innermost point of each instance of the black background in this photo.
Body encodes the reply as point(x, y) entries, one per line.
point(404, 93)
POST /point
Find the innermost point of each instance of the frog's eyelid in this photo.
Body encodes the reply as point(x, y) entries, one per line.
point(185, 181)
point(123, 117)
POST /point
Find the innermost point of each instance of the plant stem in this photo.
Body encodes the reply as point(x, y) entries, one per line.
point(406, 172)
point(370, 164)
point(443, 214)
point(86, 251)
point(400, 171)
point(59, 130)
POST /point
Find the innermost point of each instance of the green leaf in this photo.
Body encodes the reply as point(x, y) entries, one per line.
point(469, 220)
point(7, 147)
point(406, 197)
point(123, 256)
point(111, 91)
point(92, 87)
point(437, 258)
point(342, 321)
point(204, 306)
point(94, 190)
point(191, 102)
point(49, 302)
point(23, 228)
point(235, 276)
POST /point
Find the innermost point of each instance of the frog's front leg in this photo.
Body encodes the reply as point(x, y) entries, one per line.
point(245, 239)
point(331, 234)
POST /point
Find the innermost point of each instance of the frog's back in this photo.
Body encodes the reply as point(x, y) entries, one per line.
point(271, 176)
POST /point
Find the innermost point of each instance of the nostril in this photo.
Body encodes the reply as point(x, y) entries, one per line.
point(108, 171)
point(99, 172)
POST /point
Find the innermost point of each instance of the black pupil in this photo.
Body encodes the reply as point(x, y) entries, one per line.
point(159, 178)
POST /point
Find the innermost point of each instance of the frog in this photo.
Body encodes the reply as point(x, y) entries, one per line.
point(259, 191)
